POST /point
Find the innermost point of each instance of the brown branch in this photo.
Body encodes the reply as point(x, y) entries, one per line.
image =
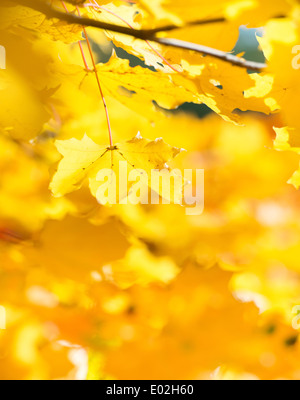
point(145, 34)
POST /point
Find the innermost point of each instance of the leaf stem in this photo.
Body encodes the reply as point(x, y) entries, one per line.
point(100, 88)
point(95, 71)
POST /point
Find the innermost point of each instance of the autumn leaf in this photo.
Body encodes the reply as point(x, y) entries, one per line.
point(59, 239)
point(84, 160)
point(86, 289)
point(138, 88)
point(14, 17)
point(278, 44)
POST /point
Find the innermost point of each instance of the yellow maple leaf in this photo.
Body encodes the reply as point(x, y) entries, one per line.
point(84, 159)
point(281, 38)
point(14, 17)
point(58, 240)
point(213, 82)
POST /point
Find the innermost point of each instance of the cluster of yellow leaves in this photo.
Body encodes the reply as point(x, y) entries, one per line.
point(141, 292)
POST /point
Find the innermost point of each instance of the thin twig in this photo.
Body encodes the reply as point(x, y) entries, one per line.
point(222, 55)
point(145, 34)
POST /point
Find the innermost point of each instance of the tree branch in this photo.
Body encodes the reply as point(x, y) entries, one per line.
point(222, 55)
point(145, 34)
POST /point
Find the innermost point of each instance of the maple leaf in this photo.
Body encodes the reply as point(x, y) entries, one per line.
point(24, 196)
point(140, 266)
point(95, 247)
point(137, 87)
point(14, 17)
point(84, 159)
point(283, 93)
point(91, 287)
point(128, 16)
